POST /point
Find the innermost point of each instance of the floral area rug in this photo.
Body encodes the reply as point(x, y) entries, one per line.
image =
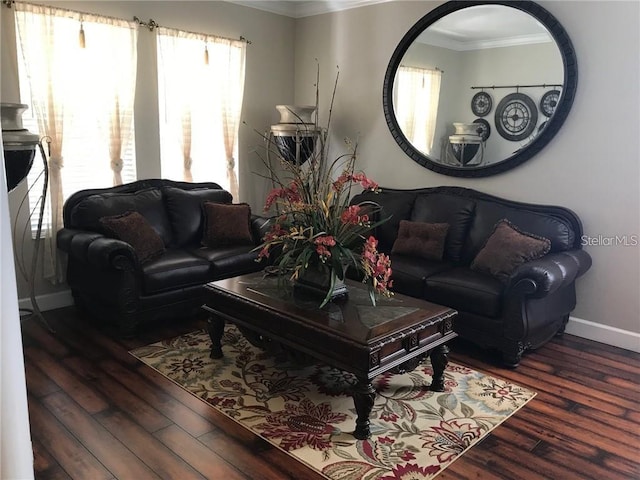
point(309, 413)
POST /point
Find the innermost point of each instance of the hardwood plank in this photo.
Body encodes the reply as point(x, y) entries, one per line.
point(39, 335)
point(96, 439)
point(579, 447)
point(244, 454)
point(152, 452)
point(122, 398)
point(205, 460)
point(38, 384)
point(55, 472)
point(72, 456)
point(90, 400)
point(292, 468)
point(523, 464)
point(42, 460)
point(563, 426)
point(191, 421)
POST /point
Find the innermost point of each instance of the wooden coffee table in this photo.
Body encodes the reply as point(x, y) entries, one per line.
point(350, 334)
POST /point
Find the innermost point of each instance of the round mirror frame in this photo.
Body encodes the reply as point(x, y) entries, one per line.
point(552, 125)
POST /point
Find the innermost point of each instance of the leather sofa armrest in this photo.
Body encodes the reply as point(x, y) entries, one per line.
point(259, 227)
point(97, 250)
point(545, 275)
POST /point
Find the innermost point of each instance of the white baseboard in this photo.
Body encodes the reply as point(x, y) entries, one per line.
point(604, 334)
point(49, 301)
point(576, 326)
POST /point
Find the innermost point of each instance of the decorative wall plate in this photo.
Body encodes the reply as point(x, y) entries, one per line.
point(481, 104)
point(484, 129)
point(516, 117)
point(549, 101)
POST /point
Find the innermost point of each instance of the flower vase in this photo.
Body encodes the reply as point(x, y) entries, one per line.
point(315, 282)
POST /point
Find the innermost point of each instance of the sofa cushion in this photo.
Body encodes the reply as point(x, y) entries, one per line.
point(226, 224)
point(442, 208)
point(487, 214)
point(174, 270)
point(394, 204)
point(184, 208)
point(133, 228)
point(409, 274)
point(87, 213)
point(507, 248)
point(421, 239)
point(466, 291)
point(229, 261)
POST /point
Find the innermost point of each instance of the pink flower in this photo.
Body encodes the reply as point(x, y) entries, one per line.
point(360, 178)
point(377, 266)
point(322, 242)
point(290, 193)
point(351, 216)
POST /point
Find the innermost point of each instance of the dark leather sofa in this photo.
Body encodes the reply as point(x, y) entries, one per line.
point(108, 279)
point(512, 314)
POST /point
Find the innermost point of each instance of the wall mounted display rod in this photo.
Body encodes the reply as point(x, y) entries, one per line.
point(537, 85)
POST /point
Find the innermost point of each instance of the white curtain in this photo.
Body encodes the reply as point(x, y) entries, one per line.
point(71, 87)
point(201, 83)
point(231, 84)
point(417, 97)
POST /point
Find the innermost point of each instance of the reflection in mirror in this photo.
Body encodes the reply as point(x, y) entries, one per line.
point(468, 70)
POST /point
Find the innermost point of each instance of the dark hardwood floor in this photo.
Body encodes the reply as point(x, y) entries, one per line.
point(98, 413)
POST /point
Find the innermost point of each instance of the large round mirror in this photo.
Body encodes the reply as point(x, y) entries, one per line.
point(476, 88)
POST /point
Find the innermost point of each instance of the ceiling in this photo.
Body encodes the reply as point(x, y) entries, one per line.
point(486, 26)
point(305, 8)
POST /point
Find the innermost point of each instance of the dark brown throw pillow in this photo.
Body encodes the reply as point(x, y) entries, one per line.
point(226, 224)
point(507, 248)
point(421, 239)
point(133, 228)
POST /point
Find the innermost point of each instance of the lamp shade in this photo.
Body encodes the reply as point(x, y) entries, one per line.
point(19, 144)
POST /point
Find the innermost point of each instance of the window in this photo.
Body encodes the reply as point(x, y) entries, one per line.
point(201, 84)
point(418, 92)
point(91, 85)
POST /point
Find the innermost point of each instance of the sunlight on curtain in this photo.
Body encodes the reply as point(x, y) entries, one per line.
point(82, 98)
point(201, 86)
point(418, 93)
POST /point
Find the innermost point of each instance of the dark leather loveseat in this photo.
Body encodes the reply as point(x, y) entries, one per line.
point(108, 277)
point(511, 312)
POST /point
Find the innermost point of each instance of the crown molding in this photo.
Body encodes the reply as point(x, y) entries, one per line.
point(305, 8)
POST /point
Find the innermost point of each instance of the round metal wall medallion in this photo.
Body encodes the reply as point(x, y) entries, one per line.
point(549, 101)
point(516, 117)
point(481, 104)
point(484, 129)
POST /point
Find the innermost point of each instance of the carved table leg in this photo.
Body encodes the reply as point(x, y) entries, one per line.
point(215, 328)
point(363, 397)
point(439, 362)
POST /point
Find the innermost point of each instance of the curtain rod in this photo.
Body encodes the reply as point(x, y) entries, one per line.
point(9, 3)
point(542, 85)
point(437, 69)
point(151, 24)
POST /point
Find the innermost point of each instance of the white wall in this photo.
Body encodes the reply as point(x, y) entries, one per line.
point(16, 457)
point(591, 166)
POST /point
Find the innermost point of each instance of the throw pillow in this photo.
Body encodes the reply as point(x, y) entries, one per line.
point(133, 228)
point(421, 239)
point(226, 224)
point(185, 211)
point(507, 248)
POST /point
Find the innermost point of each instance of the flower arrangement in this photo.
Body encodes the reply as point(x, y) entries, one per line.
point(316, 227)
